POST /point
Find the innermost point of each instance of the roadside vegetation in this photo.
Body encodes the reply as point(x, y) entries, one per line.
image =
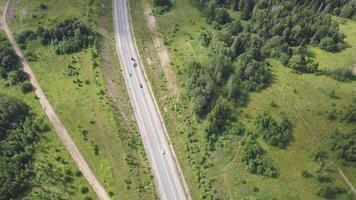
point(258, 99)
point(62, 41)
point(33, 161)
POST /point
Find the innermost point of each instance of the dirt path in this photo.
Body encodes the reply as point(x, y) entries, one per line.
point(313, 134)
point(161, 49)
point(53, 118)
point(347, 181)
point(316, 137)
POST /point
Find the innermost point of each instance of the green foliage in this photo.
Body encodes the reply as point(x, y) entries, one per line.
point(256, 161)
point(306, 174)
point(273, 132)
point(162, 2)
point(26, 87)
point(330, 191)
point(22, 36)
point(18, 135)
point(301, 64)
point(10, 65)
point(329, 44)
point(341, 74)
point(344, 145)
point(84, 189)
point(349, 9)
point(205, 38)
point(349, 115)
point(222, 16)
point(8, 58)
point(217, 120)
point(201, 88)
point(12, 111)
point(68, 36)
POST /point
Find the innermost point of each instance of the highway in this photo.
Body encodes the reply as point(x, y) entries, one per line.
point(167, 176)
point(53, 118)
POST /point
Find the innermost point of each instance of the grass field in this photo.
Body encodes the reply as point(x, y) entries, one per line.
point(86, 106)
point(296, 96)
point(50, 172)
point(345, 58)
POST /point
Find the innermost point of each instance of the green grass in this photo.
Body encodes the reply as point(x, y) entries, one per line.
point(309, 92)
point(312, 99)
point(48, 179)
point(86, 106)
point(345, 58)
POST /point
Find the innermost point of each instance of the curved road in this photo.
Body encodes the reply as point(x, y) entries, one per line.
point(168, 178)
point(53, 118)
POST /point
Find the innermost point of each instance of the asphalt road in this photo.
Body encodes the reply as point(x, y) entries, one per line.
point(53, 118)
point(169, 181)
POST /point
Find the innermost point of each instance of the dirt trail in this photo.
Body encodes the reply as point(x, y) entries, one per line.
point(348, 182)
point(316, 137)
point(313, 134)
point(161, 49)
point(53, 118)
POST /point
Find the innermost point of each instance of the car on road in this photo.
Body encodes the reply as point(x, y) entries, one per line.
point(141, 85)
point(163, 152)
point(133, 59)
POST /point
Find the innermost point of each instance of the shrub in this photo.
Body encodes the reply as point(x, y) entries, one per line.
point(344, 145)
point(84, 189)
point(255, 160)
point(275, 133)
point(329, 191)
point(26, 87)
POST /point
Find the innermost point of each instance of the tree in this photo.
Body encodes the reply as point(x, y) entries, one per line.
point(275, 133)
point(328, 44)
point(222, 16)
point(217, 120)
point(26, 87)
point(162, 2)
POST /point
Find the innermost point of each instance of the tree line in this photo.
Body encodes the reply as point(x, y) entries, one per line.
point(68, 36)
point(265, 29)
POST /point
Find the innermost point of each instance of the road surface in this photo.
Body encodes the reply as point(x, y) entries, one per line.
point(168, 178)
point(53, 118)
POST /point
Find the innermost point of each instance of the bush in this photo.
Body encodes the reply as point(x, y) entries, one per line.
point(162, 2)
point(344, 145)
point(255, 160)
point(275, 133)
point(84, 189)
point(306, 174)
point(26, 87)
point(341, 74)
point(329, 191)
point(349, 115)
point(329, 44)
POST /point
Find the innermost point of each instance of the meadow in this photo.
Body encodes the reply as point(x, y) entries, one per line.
point(74, 85)
point(303, 98)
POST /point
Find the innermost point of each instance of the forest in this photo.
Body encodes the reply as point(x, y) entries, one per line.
point(241, 46)
point(265, 29)
point(19, 132)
